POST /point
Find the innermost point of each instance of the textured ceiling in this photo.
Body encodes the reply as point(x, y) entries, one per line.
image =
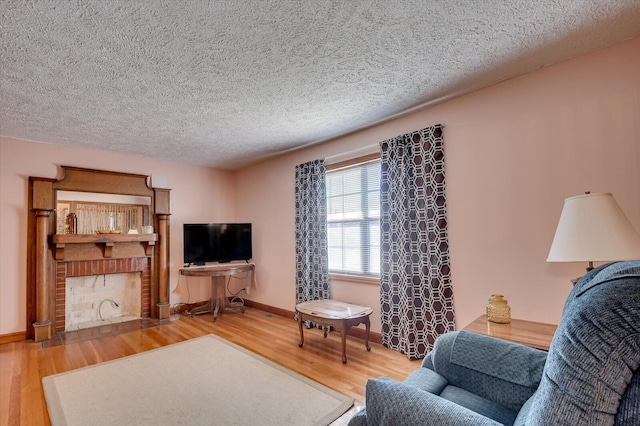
point(226, 83)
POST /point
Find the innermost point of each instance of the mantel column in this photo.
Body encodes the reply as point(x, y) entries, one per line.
point(42, 326)
point(162, 210)
point(164, 309)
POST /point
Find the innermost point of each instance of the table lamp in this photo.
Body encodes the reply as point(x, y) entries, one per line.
point(593, 228)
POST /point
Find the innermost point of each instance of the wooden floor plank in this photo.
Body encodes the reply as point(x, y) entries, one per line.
point(24, 364)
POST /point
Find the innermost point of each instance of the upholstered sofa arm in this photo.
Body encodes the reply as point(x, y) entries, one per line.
point(389, 402)
point(500, 371)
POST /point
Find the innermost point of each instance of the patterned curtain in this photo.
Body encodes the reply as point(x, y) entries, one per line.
point(416, 295)
point(312, 264)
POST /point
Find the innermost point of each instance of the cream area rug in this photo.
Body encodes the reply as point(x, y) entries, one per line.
point(203, 381)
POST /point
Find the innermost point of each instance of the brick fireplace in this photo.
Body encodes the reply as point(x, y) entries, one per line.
point(85, 268)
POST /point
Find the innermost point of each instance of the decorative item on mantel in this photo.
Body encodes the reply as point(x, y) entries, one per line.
point(72, 224)
point(498, 310)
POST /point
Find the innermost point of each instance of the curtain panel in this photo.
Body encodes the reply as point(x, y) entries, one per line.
point(416, 294)
point(312, 264)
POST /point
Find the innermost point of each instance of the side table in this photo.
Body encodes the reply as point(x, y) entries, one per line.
point(529, 333)
point(220, 275)
point(339, 315)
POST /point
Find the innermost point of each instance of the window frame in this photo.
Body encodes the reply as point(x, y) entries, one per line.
point(358, 161)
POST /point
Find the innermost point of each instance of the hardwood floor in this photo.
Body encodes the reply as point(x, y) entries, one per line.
point(24, 364)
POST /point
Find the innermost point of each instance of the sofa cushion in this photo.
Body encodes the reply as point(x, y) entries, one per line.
point(478, 404)
point(595, 350)
point(389, 402)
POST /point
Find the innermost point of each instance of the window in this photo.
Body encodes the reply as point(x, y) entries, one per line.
point(353, 219)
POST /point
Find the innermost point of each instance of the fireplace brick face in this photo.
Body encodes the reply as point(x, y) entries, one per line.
point(100, 267)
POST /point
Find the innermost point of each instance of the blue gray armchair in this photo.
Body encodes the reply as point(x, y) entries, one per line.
point(590, 375)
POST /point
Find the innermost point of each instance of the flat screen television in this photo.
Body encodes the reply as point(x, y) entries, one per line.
point(216, 242)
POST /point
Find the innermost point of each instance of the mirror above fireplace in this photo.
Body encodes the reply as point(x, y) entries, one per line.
point(93, 212)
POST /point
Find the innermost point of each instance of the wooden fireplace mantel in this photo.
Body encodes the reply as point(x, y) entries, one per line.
point(46, 249)
point(107, 241)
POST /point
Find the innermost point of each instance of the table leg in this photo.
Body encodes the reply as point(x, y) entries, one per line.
point(343, 334)
point(367, 325)
point(221, 295)
point(300, 327)
point(216, 310)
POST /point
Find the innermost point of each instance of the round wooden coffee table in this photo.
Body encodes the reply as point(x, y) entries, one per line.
point(339, 315)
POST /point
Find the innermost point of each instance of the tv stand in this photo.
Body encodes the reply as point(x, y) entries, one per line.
point(220, 275)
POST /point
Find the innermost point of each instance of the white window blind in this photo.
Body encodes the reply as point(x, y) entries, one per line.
point(353, 219)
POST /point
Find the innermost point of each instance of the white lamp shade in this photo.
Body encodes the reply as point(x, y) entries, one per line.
point(593, 228)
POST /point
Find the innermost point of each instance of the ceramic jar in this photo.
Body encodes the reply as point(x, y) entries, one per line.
point(498, 310)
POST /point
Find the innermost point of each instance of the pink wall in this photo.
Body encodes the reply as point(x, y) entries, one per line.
point(197, 194)
point(514, 152)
